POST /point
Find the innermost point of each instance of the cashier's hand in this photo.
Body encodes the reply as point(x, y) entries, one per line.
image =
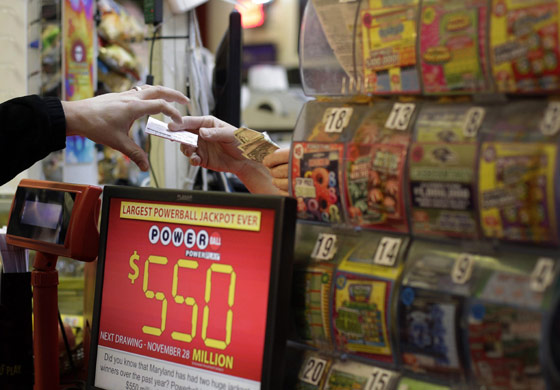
point(106, 119)
point(217, 150)
point(278, 165)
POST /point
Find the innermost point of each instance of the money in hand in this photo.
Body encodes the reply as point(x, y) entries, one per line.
point(254, 145)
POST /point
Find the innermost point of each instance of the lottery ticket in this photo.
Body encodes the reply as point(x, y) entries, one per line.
point(159, 129)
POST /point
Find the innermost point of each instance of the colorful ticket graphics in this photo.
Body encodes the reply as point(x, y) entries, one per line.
point(316, 173)
point(311, 298)
point(453, 46)
point(449, 123)
point(360, 311)
point(524, 45)
point(442, 189)
point(429, 339)
point(351, 375)
point(504, 345)
point(390, 3)
point(313, 372)
point(389, 50)
point(516, 191)
point(374, 179)
point(415, 384)
point(512, 289)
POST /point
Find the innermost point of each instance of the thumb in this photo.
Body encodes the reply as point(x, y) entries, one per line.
point(129, 148)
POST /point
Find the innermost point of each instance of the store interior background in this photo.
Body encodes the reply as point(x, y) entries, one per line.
point(31, 29)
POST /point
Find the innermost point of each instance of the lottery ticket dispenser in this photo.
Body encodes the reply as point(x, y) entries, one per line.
point(54, 219)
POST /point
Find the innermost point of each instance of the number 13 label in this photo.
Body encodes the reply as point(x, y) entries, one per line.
point(312, 371)
point(387, 251)
point(400, 116)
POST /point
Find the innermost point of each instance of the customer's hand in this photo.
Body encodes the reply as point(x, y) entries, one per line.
point(278, 165)
point(106, 119)
point(217, 150)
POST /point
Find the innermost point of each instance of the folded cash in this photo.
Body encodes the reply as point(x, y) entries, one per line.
point(254, 145)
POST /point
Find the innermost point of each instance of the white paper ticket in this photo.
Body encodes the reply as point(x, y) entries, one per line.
point(159, 129)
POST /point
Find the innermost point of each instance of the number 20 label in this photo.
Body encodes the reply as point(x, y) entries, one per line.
point(337, 119)
point(312, 371)
point(387, 251)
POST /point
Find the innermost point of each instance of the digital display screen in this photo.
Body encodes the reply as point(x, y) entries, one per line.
point(41, 214)
point(184, 295)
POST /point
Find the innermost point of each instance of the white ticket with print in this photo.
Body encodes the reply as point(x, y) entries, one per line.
point(159, 129)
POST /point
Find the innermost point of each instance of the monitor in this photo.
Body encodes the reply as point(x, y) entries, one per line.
point(54, 218)
point(192, 290)
point(226, 81)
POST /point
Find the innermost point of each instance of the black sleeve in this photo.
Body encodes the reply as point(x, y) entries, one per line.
point(30, 128)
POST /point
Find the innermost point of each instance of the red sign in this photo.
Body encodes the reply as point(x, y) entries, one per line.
point(188, 284)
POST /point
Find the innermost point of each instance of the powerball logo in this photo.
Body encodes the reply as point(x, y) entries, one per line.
point(195, 242)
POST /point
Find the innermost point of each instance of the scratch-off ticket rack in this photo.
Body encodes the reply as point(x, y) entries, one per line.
point(425, 173)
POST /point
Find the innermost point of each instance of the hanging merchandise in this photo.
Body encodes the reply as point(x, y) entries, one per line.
point(442, 170)
point(524, 45)
point(453, 46)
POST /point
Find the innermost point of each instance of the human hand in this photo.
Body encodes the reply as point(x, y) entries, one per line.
point(217, 146)
point(217, 150)
point(278, 165)
point(106, 119)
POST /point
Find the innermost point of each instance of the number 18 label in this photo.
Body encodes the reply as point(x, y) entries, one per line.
point(337, 119)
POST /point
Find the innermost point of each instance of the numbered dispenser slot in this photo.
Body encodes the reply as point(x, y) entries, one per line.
point(517, 194)
point(508, 318)
point(525, 60)
point(354, 375)
point(364, 288)
point(442, 170)
point(333, 121)
point(436, 284)
point(453, 47)
point(375, 167)
point(318, 243)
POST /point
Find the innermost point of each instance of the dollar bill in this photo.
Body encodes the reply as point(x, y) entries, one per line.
point(261, 151)
point(245, 135)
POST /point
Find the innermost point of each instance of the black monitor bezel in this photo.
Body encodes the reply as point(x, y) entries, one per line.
point(280, 270)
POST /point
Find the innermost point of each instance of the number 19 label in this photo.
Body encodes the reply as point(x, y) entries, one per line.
point(325, 247)
point(387, 251)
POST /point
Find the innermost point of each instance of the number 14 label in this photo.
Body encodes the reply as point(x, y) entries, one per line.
point(387, 251)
